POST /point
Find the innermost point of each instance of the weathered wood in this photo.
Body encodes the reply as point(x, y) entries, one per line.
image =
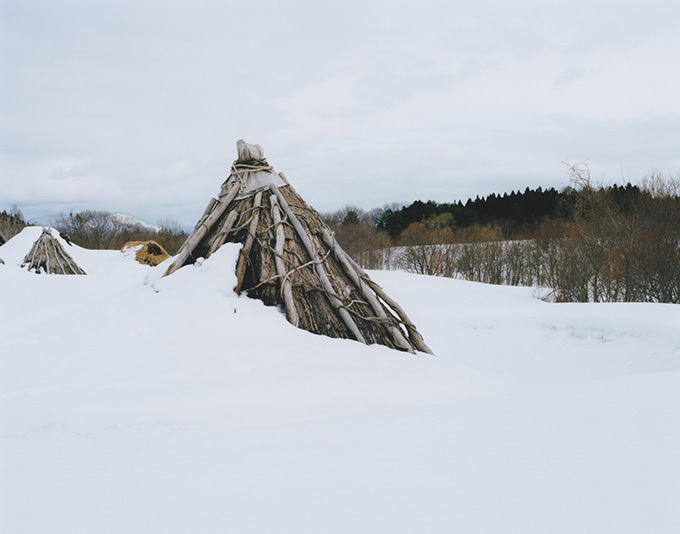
point(414, 335)
point(293, 261)
point(318, 266)
point(49, 256)
point(46, 255)
point(33, 252)
point(200, 231)
point(398, 336)
point(245, 250)
point(286, 289)
point(56, 257)
point(223, 233)
point(206, 212)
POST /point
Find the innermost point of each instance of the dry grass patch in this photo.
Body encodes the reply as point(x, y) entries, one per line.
point(149, 253)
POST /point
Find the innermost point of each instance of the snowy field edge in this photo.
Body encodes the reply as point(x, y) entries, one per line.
point(135, 403)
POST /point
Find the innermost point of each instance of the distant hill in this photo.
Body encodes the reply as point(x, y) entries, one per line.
point(43, 220)
point(123, 218)
point(131, 220)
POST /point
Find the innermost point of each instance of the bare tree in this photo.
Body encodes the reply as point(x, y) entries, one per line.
point(100, 230)
point(11, 223)
point(356, 232)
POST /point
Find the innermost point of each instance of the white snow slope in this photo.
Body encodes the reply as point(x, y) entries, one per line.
point(135, 404)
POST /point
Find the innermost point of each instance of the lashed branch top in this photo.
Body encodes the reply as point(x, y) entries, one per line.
point(247, 152)
point(252, 169)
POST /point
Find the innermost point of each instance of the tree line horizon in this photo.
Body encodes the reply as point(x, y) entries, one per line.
point(586, 242)
point(511, 211)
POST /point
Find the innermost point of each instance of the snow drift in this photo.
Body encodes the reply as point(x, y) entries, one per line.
point(122, 410)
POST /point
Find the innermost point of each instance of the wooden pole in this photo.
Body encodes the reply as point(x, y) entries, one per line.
point(332, 296)
point(47, 255)
point(245, 250)
point(199, 232)
point(56, 256)
point(413, 334)
point(286, 288)
point(222, 235)
point(208, 211)
point(398, 337)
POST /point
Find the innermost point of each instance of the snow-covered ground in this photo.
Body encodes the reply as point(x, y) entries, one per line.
point(135, 404)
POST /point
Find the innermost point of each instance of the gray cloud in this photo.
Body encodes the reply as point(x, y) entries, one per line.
point(136, 106)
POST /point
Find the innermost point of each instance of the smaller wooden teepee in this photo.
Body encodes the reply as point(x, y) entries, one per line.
point(48, 256)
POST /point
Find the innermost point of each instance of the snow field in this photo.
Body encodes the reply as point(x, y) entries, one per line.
point(131, 403)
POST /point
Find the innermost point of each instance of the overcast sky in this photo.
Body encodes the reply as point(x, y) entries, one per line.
point(136, 106)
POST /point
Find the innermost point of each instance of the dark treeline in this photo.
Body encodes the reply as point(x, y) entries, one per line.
point(514, 213)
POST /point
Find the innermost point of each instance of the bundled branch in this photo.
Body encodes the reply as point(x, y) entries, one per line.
point(48, 256)
point(291, 259)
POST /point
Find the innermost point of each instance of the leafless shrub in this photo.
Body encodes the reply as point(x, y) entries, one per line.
point(619, 244)
point(623, 243)
point(436, 260)
point(11, 223)
point(357, 235)
point(170, 236)
point(101, 230)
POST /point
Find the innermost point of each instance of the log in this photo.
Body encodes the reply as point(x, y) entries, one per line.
point(245, 250)
point(341, 256)
point(413, 334)
point(286, 288)
point(200, 231)
point(56, 257)
point(335, 301)
point(222, 235)
point(207, 211)
point(34, 250)
point(47, 256)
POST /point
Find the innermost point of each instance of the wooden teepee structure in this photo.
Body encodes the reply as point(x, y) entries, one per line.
point(48, 256)
point(291, 259)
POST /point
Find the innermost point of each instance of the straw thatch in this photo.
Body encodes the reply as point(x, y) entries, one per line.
point(48, 256)
point(148, 253)
point(291, 259)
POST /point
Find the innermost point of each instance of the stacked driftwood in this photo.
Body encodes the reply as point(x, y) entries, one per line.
point(48, 256)
point(291, 259)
